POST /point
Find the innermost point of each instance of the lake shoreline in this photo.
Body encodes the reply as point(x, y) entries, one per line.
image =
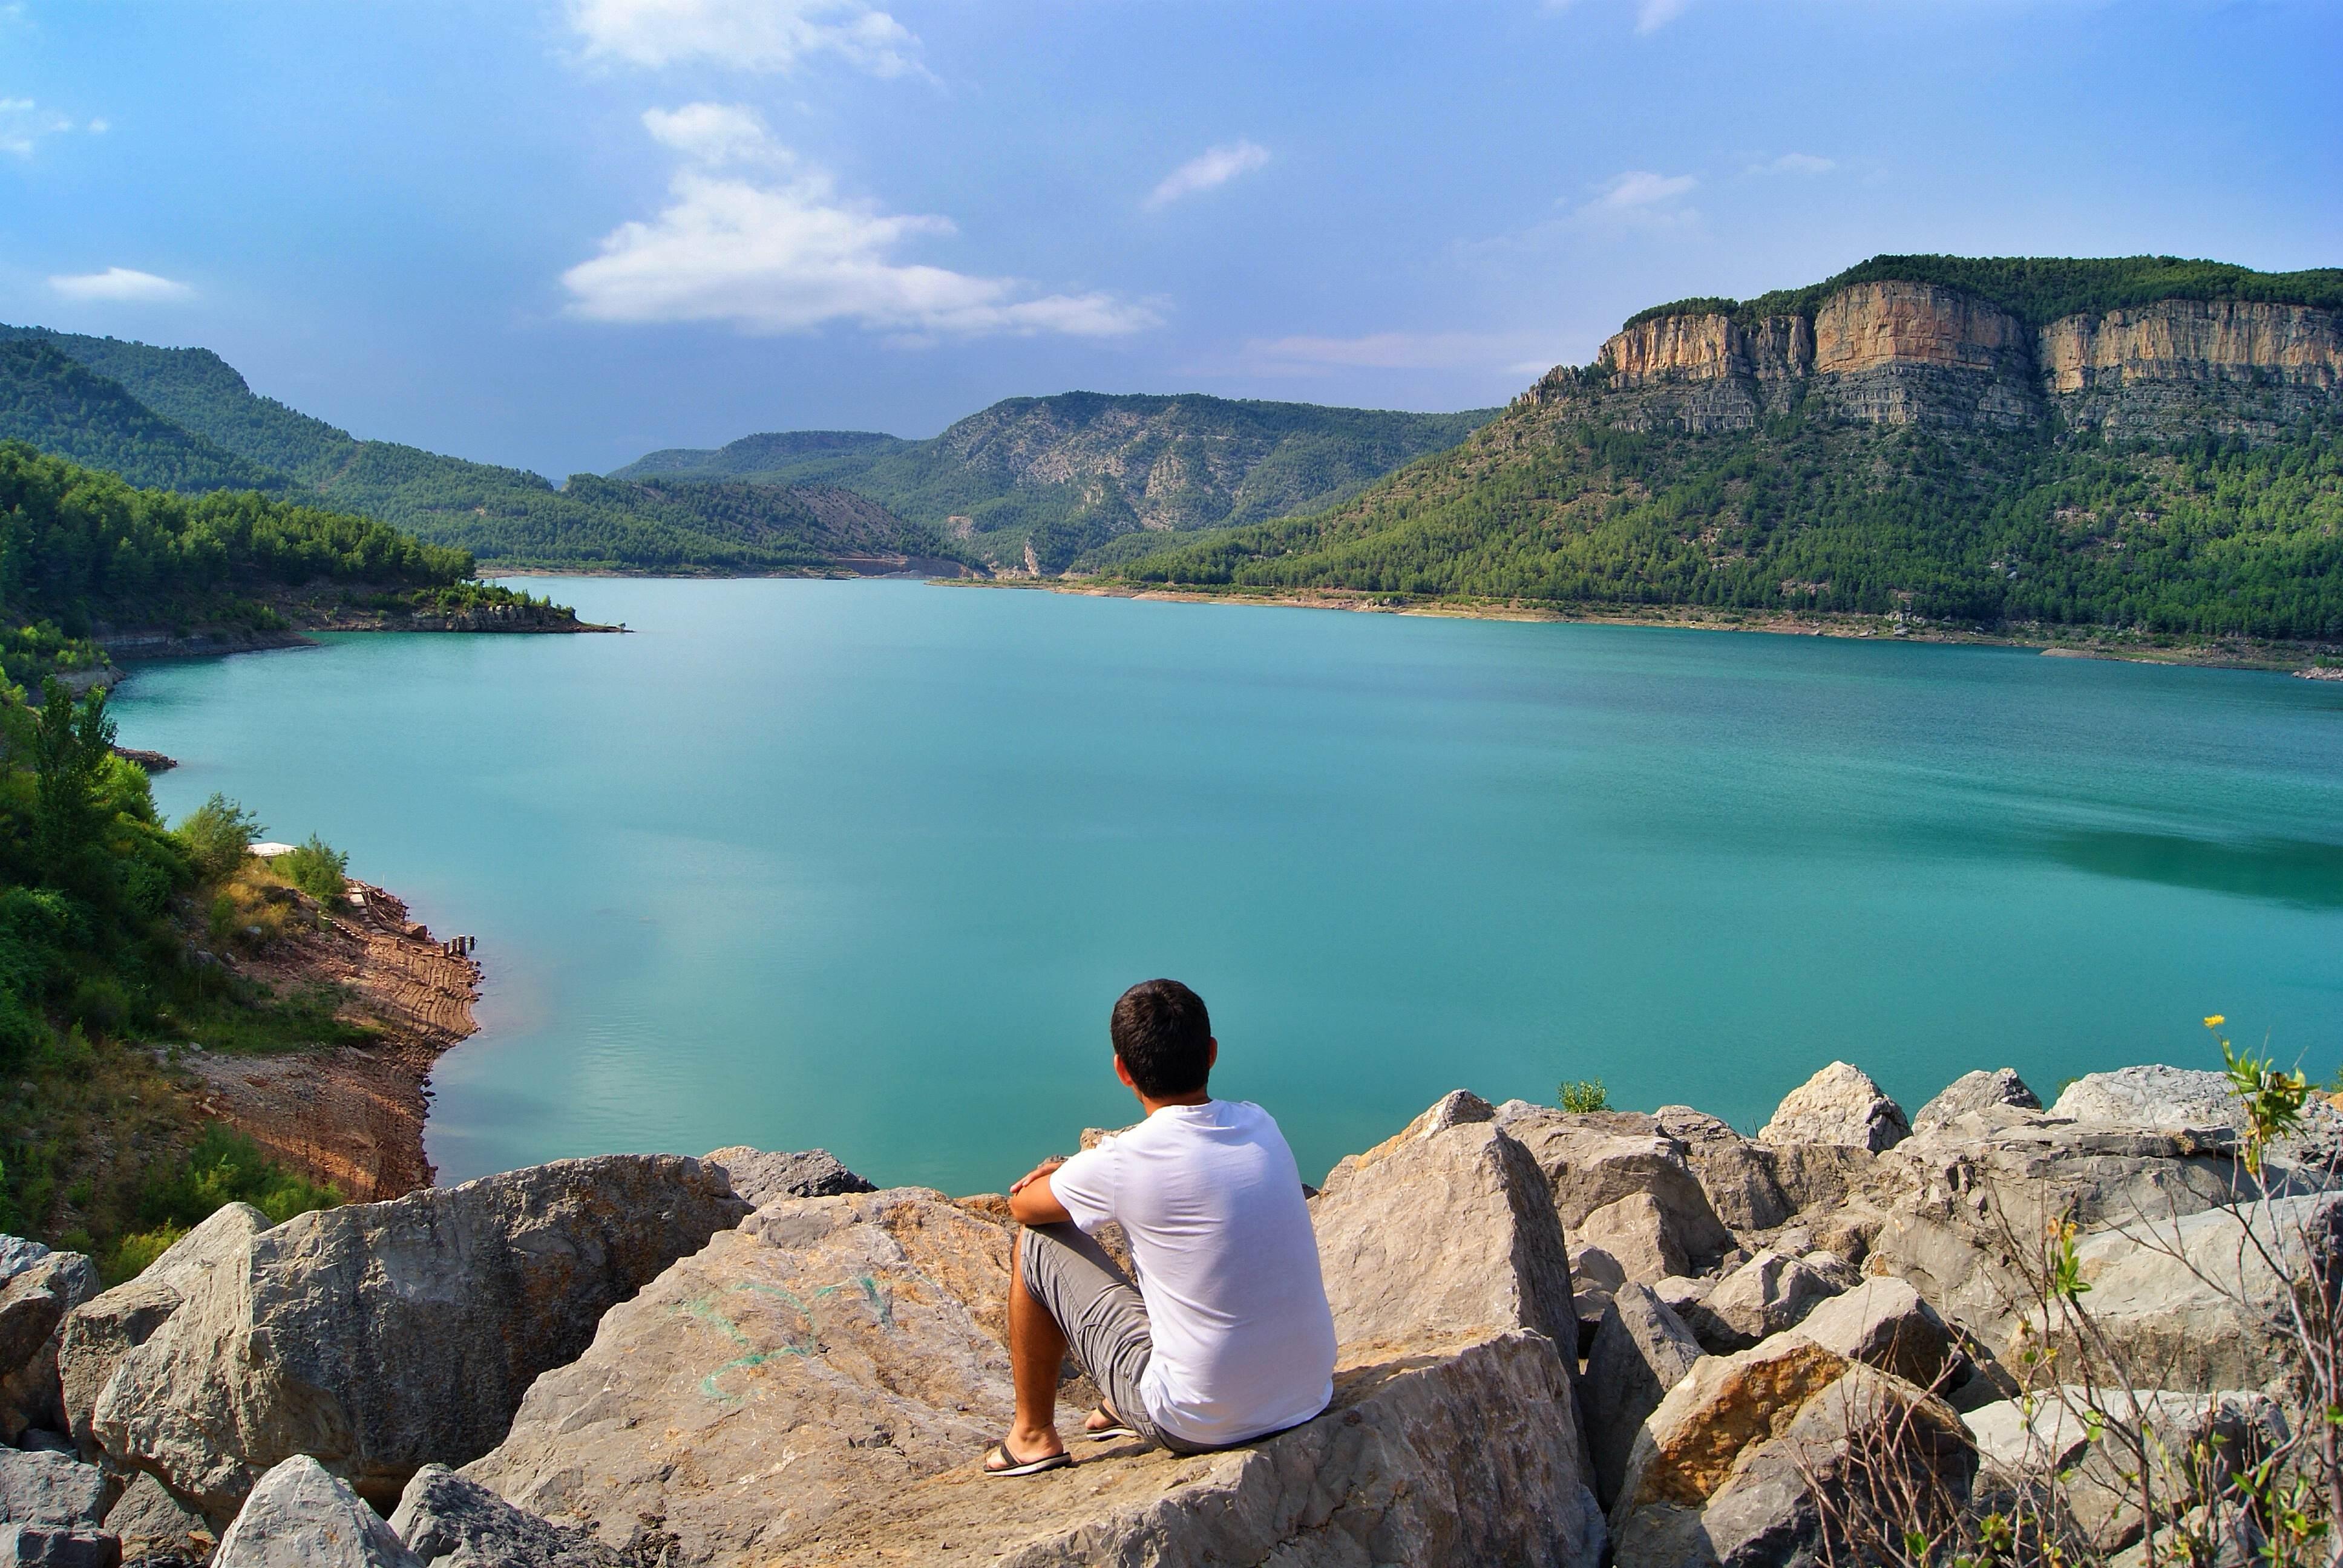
point(2264, 655)
point(352, 1116)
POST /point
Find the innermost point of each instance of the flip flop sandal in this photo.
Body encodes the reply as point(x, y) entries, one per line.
point(1011, 1466)
point(1112, 1432)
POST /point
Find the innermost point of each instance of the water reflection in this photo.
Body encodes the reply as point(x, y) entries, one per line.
point(2304, 874)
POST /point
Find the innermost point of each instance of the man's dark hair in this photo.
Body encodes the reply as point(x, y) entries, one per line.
point(1165, 1036)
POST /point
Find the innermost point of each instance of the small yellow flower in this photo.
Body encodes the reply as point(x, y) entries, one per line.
point(2216, 1020)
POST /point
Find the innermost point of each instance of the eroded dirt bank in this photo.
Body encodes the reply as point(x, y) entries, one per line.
point(352, 1114)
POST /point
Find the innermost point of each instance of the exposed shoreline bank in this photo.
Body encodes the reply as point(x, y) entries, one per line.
point(2232, 653)
point(352, 1115)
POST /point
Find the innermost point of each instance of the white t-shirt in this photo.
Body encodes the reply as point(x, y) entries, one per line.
point(1211, 1201)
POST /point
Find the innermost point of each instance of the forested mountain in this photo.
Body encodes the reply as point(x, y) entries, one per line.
point(184, 420)
point(2141, 442)
point(1084, 478)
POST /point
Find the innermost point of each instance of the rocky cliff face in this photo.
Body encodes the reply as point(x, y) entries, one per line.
point(1890, 353)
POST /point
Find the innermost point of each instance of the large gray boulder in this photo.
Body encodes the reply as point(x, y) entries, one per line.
point(2182, 1100)
point(1641, 1351)
point(1998, 1096)
point(454, 1520)
point(33, 1306)
point(1441, 1455)
point(1739, 1176)
point(100, 1332)
point(56, 1546)
point(50, 1489)
point(1883, 1322)
point(155, 1527)
point(759, 1176)
point(1593, 1160)
point(299, 1516)
point(382, 1337)
point(1443, 1234)
point(1723, 1406)
point(1838, 1106)
point(852, 1345)
point(1765, 1295)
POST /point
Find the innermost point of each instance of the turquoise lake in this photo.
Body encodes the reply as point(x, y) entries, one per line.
point(863, 865)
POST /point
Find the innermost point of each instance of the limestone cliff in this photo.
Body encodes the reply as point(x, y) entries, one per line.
point(1891, 352)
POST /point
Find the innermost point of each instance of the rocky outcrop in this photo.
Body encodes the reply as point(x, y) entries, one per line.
point(299, 1516)
point(50, 1489)
point(385, 1336)
point(155, 1527)
point(100, 1332)
point(1884, 1324)
point(2179, 1100)
point(1904, 353)
point(33, 1307)
point(1724, 1405)
point(1992, 1096)
point(445, 1518)
point(1764, 1297)
point(1641, 1351)
point(1451, 1233)
point(49, 1547)
point(758, 1177)
point(850, 1344)
point(1445, 1453)
point(1839, 1106)
point(1592, 1161)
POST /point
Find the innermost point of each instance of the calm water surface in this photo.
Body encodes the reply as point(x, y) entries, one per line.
point(863, 865)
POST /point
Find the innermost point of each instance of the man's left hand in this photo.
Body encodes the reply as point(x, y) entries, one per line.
point(1043, 1168)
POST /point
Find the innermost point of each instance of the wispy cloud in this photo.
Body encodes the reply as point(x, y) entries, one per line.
point(23, 124)
point(750, 34)
point(1212, 167)
point(1651, 16)
point(757, 237)
point(1794, 164)
point(1511, 353)
point(120, 283)
point(1640, 199)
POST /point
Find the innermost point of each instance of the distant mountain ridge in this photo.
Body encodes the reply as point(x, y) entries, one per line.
point(1085, 479)
point(1999, 441)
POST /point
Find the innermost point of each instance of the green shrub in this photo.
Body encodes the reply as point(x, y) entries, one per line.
point(131, 1255)
point(316, 869)
point(217, 834)
point(1583, 1094)
point(227, 1167)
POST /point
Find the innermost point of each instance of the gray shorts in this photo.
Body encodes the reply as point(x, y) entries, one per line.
point(1104, 1319)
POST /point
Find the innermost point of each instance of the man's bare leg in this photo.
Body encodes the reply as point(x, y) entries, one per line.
point(1036, 1350)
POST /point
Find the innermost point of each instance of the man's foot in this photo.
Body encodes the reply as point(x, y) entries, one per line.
point(1001, 1461)
point(1102, 1425)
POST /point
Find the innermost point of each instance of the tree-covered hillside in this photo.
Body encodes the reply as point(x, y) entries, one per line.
point(2038, 290)
point(1074, 475)
point(184, 420)
point(2204, 538)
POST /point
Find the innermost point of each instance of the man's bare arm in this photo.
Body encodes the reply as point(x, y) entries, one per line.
point(1032, 1202)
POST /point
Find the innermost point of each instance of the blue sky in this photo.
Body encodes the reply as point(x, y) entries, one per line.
point(559, 233)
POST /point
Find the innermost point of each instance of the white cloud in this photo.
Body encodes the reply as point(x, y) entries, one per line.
point(120, 283)
point(1638, 188)
point(99, 127)
point(755, 237)
point(1651, 16)
point(1794, 164)
point(1214, 167)
point(23, 124)
point(751, 34)
point(1472, 351)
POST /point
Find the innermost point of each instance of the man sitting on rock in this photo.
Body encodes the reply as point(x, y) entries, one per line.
point(1226, 1336)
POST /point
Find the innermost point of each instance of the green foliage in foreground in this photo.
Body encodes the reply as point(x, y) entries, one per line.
point(224, 1167)
point(93, 961)
point(2206, 537)
point(2041, 289)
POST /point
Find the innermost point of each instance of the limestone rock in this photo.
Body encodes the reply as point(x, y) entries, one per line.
point(1988, 1095)
point(1457, 1108)
point(1767, 1294)
point(1723, 1405)
point(33, 1305)
point(52, 1546)
point(760, 1177)
point(1883, 1322)
point(1593, 1160)
point(445, 1518)
point(1681, 1294)
point(851, 1344)
point(1838, 1106)
point(49, 1489)
point(1640, 1235)
point(1447, 1455)
point(299, 1516)
point(385, 1336)
point(100, 1332)
point(1641, 1351)
point(18, 1253)
point(155, 1527)
point(2179, 1099)
point(1738, 1175)
point(1446, 1232)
